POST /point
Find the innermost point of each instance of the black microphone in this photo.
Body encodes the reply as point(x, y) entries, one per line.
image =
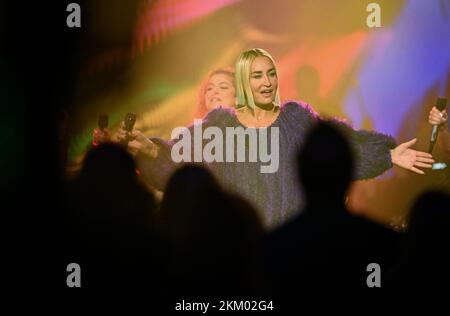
point(441, 104)
point(103, 122)
point(129, 121)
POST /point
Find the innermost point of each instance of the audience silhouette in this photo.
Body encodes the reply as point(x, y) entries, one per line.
point(110, 221)
point(325, 249)
point(424, 263)
point(213, 239)
point(205, 241)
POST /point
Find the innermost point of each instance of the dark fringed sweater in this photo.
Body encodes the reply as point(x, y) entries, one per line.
point(277, 195)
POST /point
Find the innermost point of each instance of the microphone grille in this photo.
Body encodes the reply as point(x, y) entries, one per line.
point(441, 103)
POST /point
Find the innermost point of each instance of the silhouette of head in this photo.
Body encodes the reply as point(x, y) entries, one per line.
point(200, 221)
point(429, 223)
point(109, 188)
point(186, 188)
point(188, 184)
point(108, 164)
point(325, 165)
point(111, 219)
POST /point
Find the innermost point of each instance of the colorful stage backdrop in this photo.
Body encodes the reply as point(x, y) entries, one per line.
point(384, 78)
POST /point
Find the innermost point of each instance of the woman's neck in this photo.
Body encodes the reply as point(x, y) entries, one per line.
point(262, 111)
point(265, 107)
point(257, 117)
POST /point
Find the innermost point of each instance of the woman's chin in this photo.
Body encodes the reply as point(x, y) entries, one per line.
point(217, 105)
point(265, 104)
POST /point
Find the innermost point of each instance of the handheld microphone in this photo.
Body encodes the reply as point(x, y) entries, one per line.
point(441, 104)
point(103, 122)
point(130, 120)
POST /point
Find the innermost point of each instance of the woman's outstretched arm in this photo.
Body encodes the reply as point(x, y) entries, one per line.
point(376, 153)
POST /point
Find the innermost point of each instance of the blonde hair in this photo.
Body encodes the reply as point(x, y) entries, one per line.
point(201, 102)
point(244, 95)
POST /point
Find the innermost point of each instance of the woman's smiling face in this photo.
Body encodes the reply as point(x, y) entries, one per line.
point(263, 80)
point(220, 91)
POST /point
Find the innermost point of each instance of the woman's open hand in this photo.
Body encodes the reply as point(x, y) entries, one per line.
point(410, 159)
point(100, 136)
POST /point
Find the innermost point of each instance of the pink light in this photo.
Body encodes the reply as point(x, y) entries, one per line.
point(163, 17)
